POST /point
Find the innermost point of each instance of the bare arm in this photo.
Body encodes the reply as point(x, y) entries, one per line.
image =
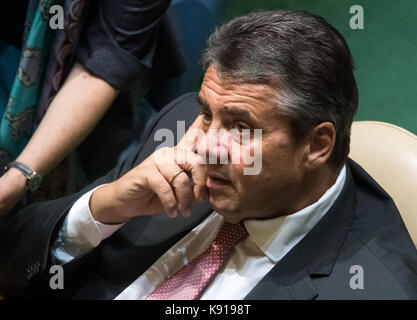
point(72, 115)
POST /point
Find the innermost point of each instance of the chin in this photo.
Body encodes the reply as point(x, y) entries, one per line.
point(227, 209)
point(232, 218)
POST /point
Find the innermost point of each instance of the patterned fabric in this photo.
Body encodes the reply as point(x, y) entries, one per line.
point(63, 53)
point(190, 281)
point(17, 121)
point(68, 176)
point(39, 72)
point(47, 57)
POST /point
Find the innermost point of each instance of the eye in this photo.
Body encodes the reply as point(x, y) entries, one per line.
point(241, 132)
point(241, 126)
point(206, 116)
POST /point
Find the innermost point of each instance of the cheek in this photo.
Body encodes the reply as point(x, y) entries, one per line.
point(279, 160)
point(282, 167)
point(262, 164)
point(245, 153)
point(247, 162)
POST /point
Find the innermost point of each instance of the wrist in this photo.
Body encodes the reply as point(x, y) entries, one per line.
point(102, 206)
point(31, 163)
point(33, 179)
point(15, 177)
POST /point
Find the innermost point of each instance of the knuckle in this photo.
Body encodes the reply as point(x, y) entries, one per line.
point(163, 155)
point(171, 205)
point(181, 181)
point(162, 150)
point(195, 158)
point(165, 189)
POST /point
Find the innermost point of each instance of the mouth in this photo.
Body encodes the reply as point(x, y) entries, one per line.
point(216, 181)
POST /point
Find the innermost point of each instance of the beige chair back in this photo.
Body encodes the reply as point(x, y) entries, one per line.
point(389, 154)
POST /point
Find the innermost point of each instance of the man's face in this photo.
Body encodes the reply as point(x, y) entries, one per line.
point(227, 109)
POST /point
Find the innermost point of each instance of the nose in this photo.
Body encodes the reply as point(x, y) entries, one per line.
point(213, 146)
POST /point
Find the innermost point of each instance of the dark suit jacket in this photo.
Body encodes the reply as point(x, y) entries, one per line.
point(363, 228)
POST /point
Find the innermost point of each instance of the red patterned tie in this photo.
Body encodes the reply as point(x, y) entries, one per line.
point(190, 281)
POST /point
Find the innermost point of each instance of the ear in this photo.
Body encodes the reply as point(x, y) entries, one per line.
point(321, 143)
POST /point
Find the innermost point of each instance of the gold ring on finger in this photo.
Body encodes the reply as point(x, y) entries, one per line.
point(175, 175)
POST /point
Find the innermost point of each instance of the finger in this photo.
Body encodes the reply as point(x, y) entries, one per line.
point(190, 138)
point(194, 164)
point(160, 186)
point(181, 185)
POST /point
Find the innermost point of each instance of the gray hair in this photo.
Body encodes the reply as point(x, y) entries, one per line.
point(300, 54)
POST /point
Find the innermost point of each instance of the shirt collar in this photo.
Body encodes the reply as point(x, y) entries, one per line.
point(277, 236)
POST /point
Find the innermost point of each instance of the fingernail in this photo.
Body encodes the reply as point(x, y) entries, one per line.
point(174, 214)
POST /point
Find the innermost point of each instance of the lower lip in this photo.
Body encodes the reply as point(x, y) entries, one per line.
point(216, 183)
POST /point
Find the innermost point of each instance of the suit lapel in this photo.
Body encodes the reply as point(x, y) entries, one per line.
point(314, 255)
point(288, 280)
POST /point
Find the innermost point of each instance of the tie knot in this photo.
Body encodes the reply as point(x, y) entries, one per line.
point(230, 234)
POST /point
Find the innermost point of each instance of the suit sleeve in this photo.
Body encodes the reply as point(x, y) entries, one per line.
point(26, 238)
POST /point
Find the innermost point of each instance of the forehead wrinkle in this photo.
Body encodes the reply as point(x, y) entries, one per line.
point(247, 93)
point(222, 92)
point(236, 94)
point(229, 86)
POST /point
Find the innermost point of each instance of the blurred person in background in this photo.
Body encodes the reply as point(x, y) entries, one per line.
point(66, 82)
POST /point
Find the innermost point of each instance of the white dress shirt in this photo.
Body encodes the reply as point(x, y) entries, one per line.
point(267, 243)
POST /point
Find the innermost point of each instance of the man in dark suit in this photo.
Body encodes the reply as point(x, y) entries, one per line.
point(306, 221)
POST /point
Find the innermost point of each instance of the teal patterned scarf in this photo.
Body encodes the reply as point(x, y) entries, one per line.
point(18, 109)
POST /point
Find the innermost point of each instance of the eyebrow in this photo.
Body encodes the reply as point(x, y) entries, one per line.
point(237, 112)
point(202, 102)
point(226, 110)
